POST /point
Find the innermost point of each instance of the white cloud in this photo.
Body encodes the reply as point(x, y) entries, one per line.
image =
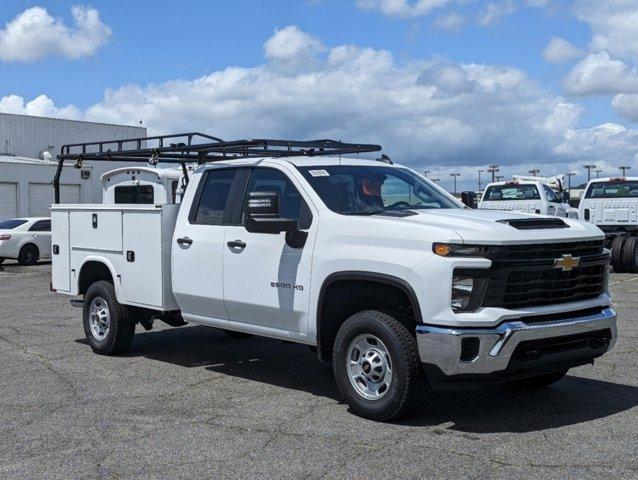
point(449, 21)
point(35, 34)
point(559, 50)
point(599, 74)
point(41, 106)
point(424, 112)
point(402, 8)
point(614, 25)
point(626, 105)
point(494, 11)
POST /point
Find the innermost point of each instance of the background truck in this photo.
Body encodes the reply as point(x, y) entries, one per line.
point(379, 270)
point(527, 195)
point(612, 205)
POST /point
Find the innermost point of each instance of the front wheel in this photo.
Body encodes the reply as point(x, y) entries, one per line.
point(630, 255)
point(540, 381)
point(107, 325)
point(376, 366)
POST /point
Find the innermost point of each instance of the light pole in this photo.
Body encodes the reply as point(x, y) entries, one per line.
point(454, 175)
point(623, 170)
point(598, 172)
point(493, 169)
point(479, 185)
point(569, 179)
point(435, 180)
point(534, 172)
point(589, 169)
point(499, 177)
point(425, 173)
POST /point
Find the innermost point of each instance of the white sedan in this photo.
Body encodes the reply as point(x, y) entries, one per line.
point(25, 239)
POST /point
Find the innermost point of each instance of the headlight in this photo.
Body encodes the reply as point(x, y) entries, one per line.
point(460, 250)
point(468, 289)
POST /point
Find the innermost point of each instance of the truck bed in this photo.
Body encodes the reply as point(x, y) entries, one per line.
point(134, 241)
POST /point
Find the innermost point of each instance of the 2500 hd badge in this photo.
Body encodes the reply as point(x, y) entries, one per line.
point(286, 285)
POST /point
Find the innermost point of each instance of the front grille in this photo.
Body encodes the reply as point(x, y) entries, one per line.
point(546, 250)
point(525, 275)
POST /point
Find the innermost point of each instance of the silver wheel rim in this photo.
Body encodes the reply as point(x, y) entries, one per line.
point(369, 367)
point(99, 318)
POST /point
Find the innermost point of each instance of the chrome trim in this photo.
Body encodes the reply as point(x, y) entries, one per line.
point(441, 346)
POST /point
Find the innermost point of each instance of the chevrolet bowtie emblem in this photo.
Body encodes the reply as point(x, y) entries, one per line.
point(567, 263)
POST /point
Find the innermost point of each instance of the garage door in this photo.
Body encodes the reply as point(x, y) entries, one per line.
point(8, 200)
point(41, 197)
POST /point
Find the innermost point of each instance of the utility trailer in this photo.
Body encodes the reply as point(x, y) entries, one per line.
point(612, 205)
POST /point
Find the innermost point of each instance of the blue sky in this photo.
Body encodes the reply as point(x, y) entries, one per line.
point(150, 58)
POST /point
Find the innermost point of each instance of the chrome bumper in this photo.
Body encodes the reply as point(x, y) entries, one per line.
point(441, 346)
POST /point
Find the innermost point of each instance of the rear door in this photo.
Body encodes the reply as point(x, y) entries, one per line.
point(267, 282)
point(198, 246)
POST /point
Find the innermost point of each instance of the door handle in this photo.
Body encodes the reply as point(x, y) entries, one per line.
point(184, 241)
point(236, 244)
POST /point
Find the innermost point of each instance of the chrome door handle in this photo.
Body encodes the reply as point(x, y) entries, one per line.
point(236, 244)
point(184, 241)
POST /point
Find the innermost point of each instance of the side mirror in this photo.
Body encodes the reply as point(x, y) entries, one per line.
point(262, 214)
point(469, 199)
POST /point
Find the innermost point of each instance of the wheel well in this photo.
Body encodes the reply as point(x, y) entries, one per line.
point(341, 298)
point(93, 272)
point(29, 244)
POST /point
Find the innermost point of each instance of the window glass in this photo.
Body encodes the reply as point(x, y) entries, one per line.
point(134, 194)
point(291, 204)
point(613, 189)
point(511, 192)
point(41, 226)
point(367, 190)
point(174, 186)
point(551, 195)
point(11, 224)
point(214, 196)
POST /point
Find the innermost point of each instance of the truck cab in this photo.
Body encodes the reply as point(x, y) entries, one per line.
point(612, 205)
point(376, 268)
point(524, 196)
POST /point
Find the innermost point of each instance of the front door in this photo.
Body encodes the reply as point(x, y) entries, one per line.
point(199, 245)
point(267, 282)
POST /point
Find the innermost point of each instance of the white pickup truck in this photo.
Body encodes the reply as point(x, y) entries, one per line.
point(525, 196)
point(382, 272)
point(612, 205)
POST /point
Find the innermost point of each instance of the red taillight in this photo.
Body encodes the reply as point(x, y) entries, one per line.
point(5, 237)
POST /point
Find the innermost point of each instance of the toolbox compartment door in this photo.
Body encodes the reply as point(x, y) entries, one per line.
point(61, 251)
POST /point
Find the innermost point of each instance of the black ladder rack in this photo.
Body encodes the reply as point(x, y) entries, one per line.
point(195, 147)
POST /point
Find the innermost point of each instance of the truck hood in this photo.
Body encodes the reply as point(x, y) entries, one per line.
point(488, 226)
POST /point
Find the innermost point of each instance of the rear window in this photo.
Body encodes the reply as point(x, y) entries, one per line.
point(614, 189)
point(134, 194)
point(511, 192)
point(11, 224)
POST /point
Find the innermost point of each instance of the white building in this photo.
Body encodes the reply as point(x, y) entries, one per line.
point(28, 146)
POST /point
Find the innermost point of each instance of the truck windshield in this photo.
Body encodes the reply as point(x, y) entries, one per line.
point(613, 189)
point(367, 190)
point(11, 224)
point(495, 193)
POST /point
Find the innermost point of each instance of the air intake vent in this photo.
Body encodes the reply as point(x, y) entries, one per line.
point(535, 223)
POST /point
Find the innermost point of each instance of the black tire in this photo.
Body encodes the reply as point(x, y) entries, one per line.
point(29, 255)
point(630, 255)
point(407, 385)
point(541, 381)
point(1, 260)
point(121, 327)
point(616, 254)
point(236, 334)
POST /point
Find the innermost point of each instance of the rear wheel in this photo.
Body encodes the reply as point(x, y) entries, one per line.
point(28, 255)
point(540, 381)
point(107, 325)
point(616, 254)
point(630, 255)
point(376, 366)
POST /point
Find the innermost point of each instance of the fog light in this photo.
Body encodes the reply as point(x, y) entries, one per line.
point(467, 291)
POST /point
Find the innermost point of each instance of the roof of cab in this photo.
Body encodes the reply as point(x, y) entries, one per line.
point(301, 161)
point(160, 172)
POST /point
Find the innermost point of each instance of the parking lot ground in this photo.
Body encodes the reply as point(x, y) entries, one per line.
point(191, 403)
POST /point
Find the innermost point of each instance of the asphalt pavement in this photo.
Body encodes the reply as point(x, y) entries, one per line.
point(191, 403)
